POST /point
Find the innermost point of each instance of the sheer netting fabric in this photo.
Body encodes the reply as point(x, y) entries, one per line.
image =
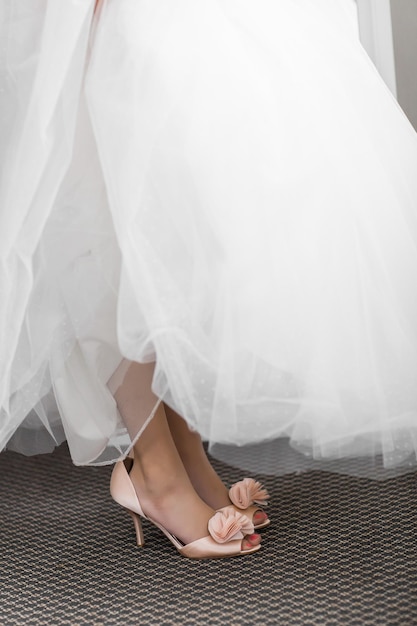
point(223, 190)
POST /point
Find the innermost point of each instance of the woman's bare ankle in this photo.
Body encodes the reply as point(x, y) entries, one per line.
point(171, 501)
point(203, 477)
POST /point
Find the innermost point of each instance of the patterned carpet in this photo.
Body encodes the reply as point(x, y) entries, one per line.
point(341, 550)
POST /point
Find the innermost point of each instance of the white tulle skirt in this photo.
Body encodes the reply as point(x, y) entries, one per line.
point(225, 188)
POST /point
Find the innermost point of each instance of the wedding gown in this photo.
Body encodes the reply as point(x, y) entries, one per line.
point(225, 187)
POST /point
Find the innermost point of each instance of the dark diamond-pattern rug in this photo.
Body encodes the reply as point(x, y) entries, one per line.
point(340, 550)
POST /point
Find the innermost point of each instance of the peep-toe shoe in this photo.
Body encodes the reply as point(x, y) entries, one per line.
point(226, 528)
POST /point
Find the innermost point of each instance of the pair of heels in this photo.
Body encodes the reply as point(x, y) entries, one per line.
point(226, 528)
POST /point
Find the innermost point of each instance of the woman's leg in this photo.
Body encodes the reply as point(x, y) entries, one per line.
point(158, 474)
point(204, 479)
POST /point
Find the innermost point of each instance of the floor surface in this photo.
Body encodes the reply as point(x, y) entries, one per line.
point(340, 550)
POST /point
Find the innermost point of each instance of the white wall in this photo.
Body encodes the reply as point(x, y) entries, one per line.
point(375, 28)
point(388, 30)
point(404, 21)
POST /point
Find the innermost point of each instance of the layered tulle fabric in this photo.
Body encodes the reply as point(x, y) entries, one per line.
point(226, 188)
point(59, 257)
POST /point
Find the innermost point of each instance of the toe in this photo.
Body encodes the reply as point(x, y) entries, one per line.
point(260, 517)
point(251, 541)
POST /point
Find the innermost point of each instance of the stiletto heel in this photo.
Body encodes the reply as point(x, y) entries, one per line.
point(226, 528)
point(140, 539)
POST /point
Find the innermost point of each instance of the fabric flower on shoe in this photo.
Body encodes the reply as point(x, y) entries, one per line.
point(229, 524)
point(247, 492)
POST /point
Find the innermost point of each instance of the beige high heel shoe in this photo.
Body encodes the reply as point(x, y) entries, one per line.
point(248, 496)
point(226, 528)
